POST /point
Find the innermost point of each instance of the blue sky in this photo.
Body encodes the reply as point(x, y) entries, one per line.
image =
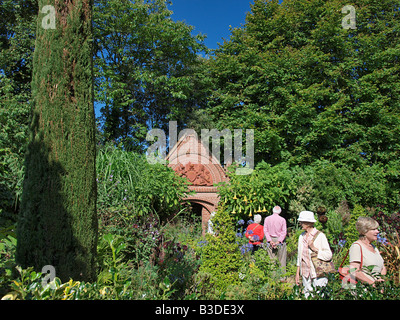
point(211, 17)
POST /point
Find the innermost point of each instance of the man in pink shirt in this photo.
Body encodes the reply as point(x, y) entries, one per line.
point(275, 233)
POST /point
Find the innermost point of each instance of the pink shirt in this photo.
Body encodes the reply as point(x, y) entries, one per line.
point(275, 226)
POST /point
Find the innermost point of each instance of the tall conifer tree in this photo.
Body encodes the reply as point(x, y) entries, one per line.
point(58, 223)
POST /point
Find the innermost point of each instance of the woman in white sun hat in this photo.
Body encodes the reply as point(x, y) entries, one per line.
point(307, 244)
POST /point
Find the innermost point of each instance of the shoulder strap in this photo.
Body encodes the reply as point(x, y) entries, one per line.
point(316, 235)
point(258, 225)
point(361, 262)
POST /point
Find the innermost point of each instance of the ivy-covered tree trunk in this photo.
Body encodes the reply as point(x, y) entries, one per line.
point(58, 222)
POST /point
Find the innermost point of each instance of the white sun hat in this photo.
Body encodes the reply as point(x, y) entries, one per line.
point(306, 216)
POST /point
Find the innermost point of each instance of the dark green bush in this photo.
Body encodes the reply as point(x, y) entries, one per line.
point(221, 257)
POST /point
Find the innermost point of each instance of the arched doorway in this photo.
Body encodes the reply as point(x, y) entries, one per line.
point(197, 209)
point(189, 158)
point(204, 208)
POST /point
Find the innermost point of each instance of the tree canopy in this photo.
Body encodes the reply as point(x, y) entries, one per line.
point(148, 70)
point(310, 88)
point(313, 91)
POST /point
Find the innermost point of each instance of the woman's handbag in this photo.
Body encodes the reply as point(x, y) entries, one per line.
point(322, 268)
point(345, 271)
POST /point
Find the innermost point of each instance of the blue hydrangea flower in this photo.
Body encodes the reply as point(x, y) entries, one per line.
point(342, 243)
point(202, 243)
point(382, 240)
point(246, 248)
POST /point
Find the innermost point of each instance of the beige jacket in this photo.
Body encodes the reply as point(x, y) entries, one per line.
point(324, 251)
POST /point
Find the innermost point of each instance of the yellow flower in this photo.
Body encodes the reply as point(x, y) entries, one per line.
point(103, 291)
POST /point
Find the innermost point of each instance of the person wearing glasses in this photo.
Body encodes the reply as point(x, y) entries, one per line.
point(365, 258)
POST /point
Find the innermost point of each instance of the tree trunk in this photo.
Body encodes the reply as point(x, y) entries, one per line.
point(58, 221)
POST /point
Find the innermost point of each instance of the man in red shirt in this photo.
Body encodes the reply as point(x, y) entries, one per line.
point(255, 233)
point(275, 233)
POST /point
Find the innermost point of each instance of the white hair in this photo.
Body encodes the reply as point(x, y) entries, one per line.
point(257, 218)
point(277, 209)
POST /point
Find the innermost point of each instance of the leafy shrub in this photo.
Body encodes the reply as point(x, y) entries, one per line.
point(8, 244)
point(292, 242)
point(350, 232)
point(260, 278)
point(179, 266)
point(133, 198)
point(322, 183)
point(389, 241)
point(266, 186)
point(221, 257)
point(130, 187)
point(144, 241)
point(390, 251)
point(334, 229)
point(388, 222)
point(128, 284)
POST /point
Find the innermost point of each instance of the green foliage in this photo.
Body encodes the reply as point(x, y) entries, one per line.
point(221, 257)
point(261, 277)
point(135, 199)
point(328, 184)
point(8, 244)
point(334, 227)
point(147, 69)
point(297, 188)
point(265, 187)
point(129, 187)
point(16, 48)
point(334, 290)
point(310, 88)
point(58, 219)
point(28, 286)
point(127, 285)
point(323, 102)
point(258, 277)
point(292, 241)
point(116, 245)
point(317, 94)
point(350, 231)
